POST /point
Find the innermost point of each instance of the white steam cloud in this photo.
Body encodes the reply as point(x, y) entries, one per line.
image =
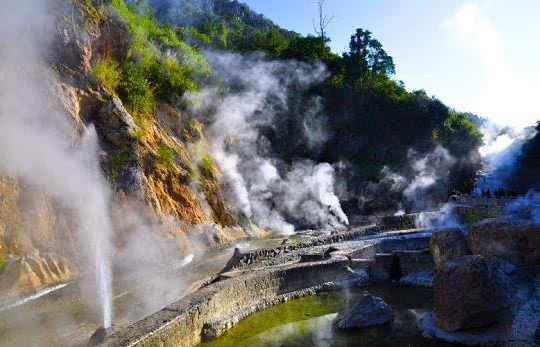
point(503, 146)
point(430, 170)
point(267, 191)
point(37, 142)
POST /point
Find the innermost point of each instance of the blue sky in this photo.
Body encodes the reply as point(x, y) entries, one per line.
point(475, 55)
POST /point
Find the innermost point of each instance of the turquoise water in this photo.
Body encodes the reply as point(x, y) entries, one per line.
point(312, 321)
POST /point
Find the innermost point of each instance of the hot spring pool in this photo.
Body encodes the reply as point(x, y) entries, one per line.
point(312, 321)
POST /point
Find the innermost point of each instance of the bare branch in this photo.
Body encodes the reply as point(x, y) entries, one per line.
point(315, 28)
point(324, 21)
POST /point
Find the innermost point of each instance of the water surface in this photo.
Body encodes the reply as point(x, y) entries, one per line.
point(312, 321)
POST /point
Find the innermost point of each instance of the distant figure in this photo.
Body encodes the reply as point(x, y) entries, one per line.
point(488, 193)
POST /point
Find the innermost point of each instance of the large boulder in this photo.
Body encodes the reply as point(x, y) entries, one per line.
point(469, 293)
point(516, 240)
point(447, 244)
point(369, 311)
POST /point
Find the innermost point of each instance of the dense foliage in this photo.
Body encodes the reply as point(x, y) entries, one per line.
point(158, 64)
point(373, 122)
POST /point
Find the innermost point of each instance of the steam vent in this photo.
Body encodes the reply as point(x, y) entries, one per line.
point(186, 173)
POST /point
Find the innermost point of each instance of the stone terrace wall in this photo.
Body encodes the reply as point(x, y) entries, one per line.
point(240, 260)
point(182, 323)
point(403, 222)
point(414, 242)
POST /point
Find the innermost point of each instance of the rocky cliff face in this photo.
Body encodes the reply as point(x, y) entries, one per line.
point(159, 174)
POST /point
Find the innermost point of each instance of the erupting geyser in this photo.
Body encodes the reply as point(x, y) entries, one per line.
point(95, 223)
point(37, 146)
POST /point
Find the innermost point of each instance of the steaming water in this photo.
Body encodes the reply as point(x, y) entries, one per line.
point(95, 220)
point(64, 317)
point(311, 321)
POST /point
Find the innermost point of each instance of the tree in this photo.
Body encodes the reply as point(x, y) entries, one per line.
point(307, 48)
point(320, 28)
point(369, 52)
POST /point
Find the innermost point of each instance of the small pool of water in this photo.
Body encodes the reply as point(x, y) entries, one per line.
point(312, 321)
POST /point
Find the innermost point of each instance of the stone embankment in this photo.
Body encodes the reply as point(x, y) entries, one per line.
point(257, 279)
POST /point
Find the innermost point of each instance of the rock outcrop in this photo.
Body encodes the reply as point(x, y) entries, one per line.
point(369, 311)
point(469, 293)
point(23, 276)
point(447, 244)
point(153, 164)
point(515, 240)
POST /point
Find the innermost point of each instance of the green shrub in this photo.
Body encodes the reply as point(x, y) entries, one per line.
point(138, 134)
point(157, 60)
point(107, 74)
point(116, 161)
point(1, 261)
point(207, 167)
point(135, 89)
point(165, 155)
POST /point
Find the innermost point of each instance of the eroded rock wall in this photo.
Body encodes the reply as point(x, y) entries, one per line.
point(169, 198)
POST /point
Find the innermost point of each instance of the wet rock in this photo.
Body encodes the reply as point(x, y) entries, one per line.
point(494, 335)
point(329, 251)
point(418, 279)
point(358, 278)
point(447, 244)
point(311, 257)
point(469, 293)
point(369, 311)
point(361, 263)
point(100, 335)
point(515, 240)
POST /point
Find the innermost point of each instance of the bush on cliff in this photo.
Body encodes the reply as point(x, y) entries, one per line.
point(135, 90)
point(107, 74)
point(158, 62)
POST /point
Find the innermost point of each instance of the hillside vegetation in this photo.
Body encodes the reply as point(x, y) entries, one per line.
point(372, 123)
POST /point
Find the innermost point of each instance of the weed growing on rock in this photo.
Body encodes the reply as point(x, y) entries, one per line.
point(207, 167)
point(107, 75)
point(165, 155)
point(117, 160)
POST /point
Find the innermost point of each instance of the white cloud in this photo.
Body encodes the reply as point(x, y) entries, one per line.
point(505, 96)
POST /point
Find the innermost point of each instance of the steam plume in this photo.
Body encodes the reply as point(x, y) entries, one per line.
point(38, 143)
point(252, 94)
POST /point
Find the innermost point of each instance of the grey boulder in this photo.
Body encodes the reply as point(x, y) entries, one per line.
point(369, 311)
